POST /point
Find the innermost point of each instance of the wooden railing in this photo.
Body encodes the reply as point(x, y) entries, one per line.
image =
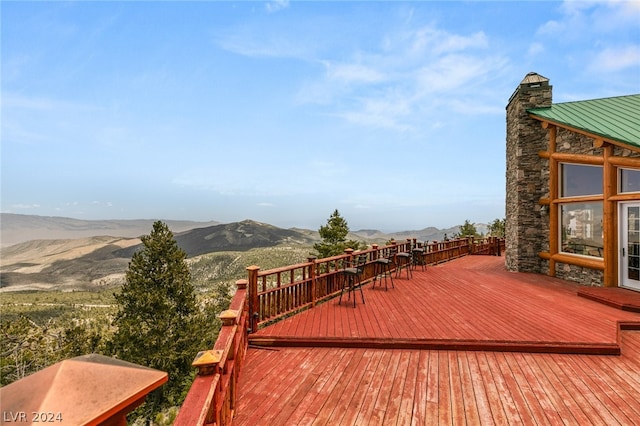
point(278, 293)
point(212, 396)
point(271, 295)
point(489, 246)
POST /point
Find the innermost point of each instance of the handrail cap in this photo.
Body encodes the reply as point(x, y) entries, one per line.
point(206, 361)
point(228, 317)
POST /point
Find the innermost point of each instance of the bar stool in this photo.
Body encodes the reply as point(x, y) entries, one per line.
point(405, 260)
point(351, 272)
point(420, 255)
point(382, 266)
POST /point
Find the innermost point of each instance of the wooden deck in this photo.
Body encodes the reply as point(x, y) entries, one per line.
point(464, 342)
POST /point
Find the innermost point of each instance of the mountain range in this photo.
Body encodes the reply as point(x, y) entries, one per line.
point(41, 253)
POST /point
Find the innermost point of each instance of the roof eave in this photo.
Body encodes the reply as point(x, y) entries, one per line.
point(596, 136)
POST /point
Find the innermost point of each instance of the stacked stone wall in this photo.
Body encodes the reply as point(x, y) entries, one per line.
point(527, 180)
point(575, 143)
point(625, 152)
point(579, 274)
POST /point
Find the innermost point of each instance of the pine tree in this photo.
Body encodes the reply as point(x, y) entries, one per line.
point(334, 237)
point(158, 318)
point(468, 229)
point(496, 228)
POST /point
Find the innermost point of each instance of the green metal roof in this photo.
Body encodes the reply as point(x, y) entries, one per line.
point(615, 119)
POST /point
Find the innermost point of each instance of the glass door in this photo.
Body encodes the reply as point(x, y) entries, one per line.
point(630, 245)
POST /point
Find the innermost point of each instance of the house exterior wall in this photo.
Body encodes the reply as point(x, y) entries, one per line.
point(573, 143)
point(624, 152)
point(528, 226)
point(579, 274)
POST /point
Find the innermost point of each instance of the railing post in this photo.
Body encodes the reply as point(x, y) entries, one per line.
point(375, 254)
point(254, 312)
point(312, 277)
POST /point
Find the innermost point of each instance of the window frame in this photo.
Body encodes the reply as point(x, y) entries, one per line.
point(561, 228)
point(561, 180)
point(620, 171)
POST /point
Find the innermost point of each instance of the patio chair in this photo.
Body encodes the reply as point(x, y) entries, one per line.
point(382, 266)
point(352, 272)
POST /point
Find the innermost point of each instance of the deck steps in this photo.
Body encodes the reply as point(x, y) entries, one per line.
point(550, 347)
point(616, 297)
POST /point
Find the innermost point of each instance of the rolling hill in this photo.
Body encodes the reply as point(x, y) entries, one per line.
point(93, 262)
point(71, 254)
point(19, 228)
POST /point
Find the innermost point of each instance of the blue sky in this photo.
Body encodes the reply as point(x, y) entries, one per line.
point(391, 112)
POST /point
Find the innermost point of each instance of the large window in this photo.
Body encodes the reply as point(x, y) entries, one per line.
point(581, 228)
point(629, 180)
point(581, 223)
point(578, 180)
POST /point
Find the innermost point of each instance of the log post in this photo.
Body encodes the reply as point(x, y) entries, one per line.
point(554, 210)
point(610, 224)
point(313, 278)
point(254, 308)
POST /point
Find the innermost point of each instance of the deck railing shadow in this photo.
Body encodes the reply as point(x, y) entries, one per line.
point(271, 295)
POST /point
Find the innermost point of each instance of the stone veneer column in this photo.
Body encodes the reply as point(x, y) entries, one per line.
point(527, 230)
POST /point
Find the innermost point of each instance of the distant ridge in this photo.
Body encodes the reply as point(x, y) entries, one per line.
point(236, 236)
point(19, 228)
point(77, 254)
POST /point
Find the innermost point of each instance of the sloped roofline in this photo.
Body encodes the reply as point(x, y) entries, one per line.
point(615, 119)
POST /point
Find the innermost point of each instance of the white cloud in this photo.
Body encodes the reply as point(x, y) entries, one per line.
point(25, 206)
point(276, 5)
point(386, 87)
point(551, 28)
point(455, 72)
point(381, 113)
point(583, 18)
point(456, 43)
point(102, 203)
point(430, 40)
point(535, 49)
point(39, 103)
point(616, 59)
point(472, 106)
point(352, 73)
point(243, 42)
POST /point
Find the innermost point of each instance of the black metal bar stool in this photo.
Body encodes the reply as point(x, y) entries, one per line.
point(382, 266)
point(420, 255)
point(405, 260)
point(352, 272)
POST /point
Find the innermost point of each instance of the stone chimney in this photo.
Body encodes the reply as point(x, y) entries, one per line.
point(527, 230)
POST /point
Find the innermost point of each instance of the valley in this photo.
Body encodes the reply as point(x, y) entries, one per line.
point(81, 256)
